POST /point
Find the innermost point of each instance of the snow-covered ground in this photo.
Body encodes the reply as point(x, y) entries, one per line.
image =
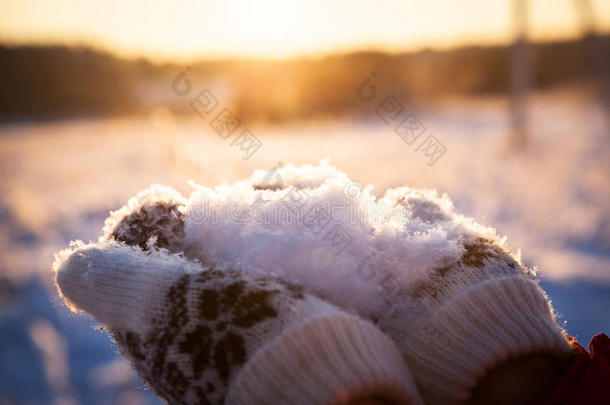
point(60, 179)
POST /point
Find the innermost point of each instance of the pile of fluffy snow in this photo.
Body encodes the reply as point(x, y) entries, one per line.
point(312, 225)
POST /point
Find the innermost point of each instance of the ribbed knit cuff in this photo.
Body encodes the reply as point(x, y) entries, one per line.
point(325, 360)
point(479, 329)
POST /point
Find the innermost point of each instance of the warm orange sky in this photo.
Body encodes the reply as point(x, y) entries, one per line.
point(187, 29)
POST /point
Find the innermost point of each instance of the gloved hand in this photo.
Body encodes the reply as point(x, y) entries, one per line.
point(476, 327)
point(207, 333)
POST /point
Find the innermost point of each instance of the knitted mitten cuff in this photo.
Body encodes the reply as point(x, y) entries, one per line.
point(326, 360)
point(479, 329)
point(471, 320)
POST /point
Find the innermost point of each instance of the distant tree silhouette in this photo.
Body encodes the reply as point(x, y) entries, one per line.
point(60, 82)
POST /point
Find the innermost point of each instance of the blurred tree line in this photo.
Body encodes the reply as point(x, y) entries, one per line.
point(61, 82)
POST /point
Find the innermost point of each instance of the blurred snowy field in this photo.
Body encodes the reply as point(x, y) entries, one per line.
point(60, 179)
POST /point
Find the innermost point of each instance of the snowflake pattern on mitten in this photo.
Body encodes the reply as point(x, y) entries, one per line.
point(202, 337)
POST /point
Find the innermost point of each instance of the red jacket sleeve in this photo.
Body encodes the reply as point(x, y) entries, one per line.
point(587, 381)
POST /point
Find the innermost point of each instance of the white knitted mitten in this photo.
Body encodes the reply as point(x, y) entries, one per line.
point(458, 320)
point(206, 334)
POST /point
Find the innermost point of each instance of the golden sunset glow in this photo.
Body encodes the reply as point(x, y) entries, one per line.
point(280, 28)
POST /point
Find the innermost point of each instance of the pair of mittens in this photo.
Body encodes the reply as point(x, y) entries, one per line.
point(421, 301)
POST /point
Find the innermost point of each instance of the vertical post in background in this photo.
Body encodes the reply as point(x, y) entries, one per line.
point(521, 72)
point(597, 53)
